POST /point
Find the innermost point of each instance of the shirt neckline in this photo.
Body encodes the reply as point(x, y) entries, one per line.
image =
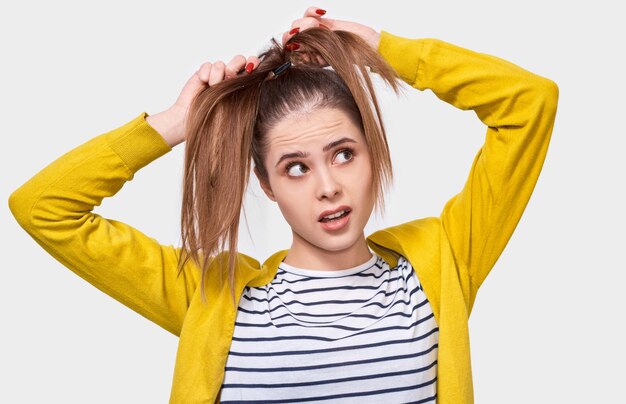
point(334, 273)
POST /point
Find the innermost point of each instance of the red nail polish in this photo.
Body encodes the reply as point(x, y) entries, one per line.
point(294, 31)
point(292, 46)
point(320, 11)
point(249, 67)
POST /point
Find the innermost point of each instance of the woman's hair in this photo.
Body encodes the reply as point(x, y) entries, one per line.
point(227, 126)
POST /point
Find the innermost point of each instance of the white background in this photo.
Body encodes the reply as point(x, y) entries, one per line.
point(548, 324)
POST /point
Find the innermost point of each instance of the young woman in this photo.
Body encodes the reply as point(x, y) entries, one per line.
point(338, 317)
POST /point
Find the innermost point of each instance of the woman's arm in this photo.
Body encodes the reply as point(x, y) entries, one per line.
point(518, 108)
point(55, 208)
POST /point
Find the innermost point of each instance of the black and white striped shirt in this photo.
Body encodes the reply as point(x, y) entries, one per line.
point(365, 334)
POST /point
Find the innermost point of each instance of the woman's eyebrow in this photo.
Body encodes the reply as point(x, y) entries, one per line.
point(326, 148)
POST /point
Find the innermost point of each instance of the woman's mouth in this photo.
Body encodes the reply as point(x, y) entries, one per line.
point(337, 220)
point(333, 213)
point(335, 216)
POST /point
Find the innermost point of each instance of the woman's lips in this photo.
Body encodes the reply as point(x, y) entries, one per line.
point(336, 224)
point(330, 212)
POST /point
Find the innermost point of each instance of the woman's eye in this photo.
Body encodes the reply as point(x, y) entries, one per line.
point(296, 169)
point(345, 152)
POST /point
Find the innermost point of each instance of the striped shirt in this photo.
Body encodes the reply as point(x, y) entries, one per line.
point(366, 334)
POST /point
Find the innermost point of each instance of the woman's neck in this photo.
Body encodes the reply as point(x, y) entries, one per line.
point(303, 254)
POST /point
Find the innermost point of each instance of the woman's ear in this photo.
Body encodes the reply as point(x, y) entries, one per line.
point(264, 185)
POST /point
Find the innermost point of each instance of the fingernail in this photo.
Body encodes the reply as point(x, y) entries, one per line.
point(294, 31)
point(320, 11)
point(249, 67)
point(323, 26)
point(292, 46)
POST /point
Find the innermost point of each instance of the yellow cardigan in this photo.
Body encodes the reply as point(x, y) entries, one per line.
point(452, 253)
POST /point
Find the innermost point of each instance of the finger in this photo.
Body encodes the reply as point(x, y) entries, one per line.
point(255, 62)
point(314, 12)
point(305, 23)
point(302, 24)
point(203, 72)
point(236, 64)
point(217, 73)
point(318, 13)
point(288, 34)
point(251, 63)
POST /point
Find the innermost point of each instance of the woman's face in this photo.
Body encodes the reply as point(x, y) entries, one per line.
point(318, 162)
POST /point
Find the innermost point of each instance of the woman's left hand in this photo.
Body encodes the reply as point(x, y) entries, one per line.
point(313, 18)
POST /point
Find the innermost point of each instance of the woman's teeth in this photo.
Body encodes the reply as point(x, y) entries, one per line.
point(334, 216)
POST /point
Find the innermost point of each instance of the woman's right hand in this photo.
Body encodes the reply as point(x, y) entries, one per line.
point(171, 122)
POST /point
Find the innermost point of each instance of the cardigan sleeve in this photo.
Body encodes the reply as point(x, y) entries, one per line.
point(518, 109)
point(55, 208)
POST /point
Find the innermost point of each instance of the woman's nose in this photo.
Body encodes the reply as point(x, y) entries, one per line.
point(328, 186)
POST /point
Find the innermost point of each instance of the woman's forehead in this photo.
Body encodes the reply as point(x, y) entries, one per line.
point(318, 127)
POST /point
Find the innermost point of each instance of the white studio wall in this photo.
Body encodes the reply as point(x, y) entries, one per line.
point(547, 324)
